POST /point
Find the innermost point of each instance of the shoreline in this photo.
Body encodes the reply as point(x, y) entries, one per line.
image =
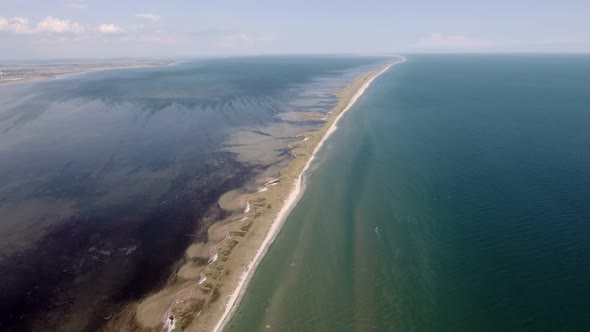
point(66, 72)
point(210, 281)
point(297, 190)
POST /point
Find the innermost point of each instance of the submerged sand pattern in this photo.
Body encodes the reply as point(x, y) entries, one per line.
point(239, 242)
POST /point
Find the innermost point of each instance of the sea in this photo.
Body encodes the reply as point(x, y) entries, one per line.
point(454, 196)
point(107, 177)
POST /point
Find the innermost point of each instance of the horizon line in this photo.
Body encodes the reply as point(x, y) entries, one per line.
point(210, 56)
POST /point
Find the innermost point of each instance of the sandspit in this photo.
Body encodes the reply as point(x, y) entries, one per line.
point(215, 274)
point(295, 194)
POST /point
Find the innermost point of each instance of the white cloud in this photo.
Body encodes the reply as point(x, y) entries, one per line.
point(441, 42)
point(76, 6)
point(109, 28)
point(148, 17)
point(18, 25)
point(21, 25)
point(52, 24)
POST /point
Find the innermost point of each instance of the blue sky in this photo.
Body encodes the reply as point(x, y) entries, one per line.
point(106, 28)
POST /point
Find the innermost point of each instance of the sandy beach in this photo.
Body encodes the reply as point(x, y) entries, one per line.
point(214, 276)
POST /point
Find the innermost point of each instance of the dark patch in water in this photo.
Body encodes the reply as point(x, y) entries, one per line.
point(286, 152)
point(89, 267)
point(260, 133)
point(305, 122)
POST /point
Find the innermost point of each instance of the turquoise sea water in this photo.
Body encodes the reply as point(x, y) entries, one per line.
point(455, 196)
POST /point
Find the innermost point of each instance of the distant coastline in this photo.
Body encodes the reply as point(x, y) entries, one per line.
point(24, 73)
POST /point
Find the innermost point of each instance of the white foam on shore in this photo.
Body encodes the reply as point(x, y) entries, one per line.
point(213, 258)
point(170, 324)
point(288, 205)
point(272, 182)
point(202, 280)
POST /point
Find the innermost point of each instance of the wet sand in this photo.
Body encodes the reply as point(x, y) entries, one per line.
point(215, 273)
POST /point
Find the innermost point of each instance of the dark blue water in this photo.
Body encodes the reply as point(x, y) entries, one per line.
point(455, 196)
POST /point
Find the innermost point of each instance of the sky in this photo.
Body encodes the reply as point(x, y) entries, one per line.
point(40, 29)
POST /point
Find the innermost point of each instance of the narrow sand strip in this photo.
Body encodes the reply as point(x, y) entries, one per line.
point(288, 205)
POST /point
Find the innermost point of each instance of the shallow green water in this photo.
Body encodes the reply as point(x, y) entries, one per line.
point(455, 196)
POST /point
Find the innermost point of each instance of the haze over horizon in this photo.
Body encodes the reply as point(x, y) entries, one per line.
point(33, 29)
